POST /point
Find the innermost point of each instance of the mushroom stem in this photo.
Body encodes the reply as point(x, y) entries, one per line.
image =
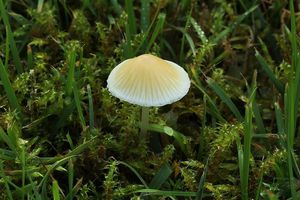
point(145, 121)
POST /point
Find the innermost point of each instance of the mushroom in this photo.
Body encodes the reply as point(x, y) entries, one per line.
point(148, 81)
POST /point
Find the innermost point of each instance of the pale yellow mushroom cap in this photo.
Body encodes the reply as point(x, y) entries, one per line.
point(147, 81)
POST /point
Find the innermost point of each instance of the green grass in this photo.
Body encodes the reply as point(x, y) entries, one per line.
point(233, 136)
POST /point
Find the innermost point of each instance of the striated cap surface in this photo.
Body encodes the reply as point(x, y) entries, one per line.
point(148, 81)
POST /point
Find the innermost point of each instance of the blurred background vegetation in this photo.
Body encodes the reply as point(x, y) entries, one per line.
point(234, 136)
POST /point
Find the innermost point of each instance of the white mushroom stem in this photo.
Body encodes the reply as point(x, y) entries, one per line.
point(145, 121)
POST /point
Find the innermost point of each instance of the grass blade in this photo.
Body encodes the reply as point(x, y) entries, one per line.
point(145, 15)
point(135, 172)
point(14, 104)
point(160, 177)
point(180, 138)
point(78, 106)
point(271, 75)
point(55, 190)
point(246, 151)
point(4, 137)
point(75, 189)
point(91, 107)
point(157, 29)
point(280, 124)
point(70, 178)
point(258, 119)
point(116, 7)
point(248, 126)
point(202, 181)
point(58, 163)
point(225, 98)
point(214, 111)
point(131, 18)
point(216, 39)
point(291, 100)
point(12, 43)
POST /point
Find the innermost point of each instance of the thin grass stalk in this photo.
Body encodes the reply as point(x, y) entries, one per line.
point(181, 54)
point(258, 190)
point(213, 109)
point(135, 173)
point(6, 49)
point(202, 181)
point(225, 98)
point(23, 163)
point(201, 132)
point(91, 107)
point(78, 106)
point(70, 178)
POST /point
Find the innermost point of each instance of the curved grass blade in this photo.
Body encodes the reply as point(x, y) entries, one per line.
point(179, 137)
point(160, 177)
point(57, 164)
point(214, 111)
point(189, 39)
point(225, 98)
point(266, 68)
point(135, 172)
point(75, 189)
